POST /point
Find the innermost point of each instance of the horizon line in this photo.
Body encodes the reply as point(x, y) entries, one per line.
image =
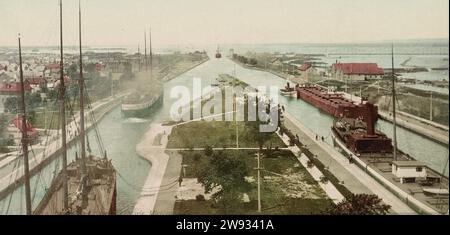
point(245, 43)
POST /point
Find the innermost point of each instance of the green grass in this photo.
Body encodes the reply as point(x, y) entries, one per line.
point(274, 201)
point(283, 206)
point(217, 134)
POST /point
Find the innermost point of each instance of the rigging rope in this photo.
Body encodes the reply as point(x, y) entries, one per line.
point(150, 189)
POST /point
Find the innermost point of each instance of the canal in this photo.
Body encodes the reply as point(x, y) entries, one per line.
point(120, 137)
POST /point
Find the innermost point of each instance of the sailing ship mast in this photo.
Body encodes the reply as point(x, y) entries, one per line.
point(81, 87)
point(151, 53)
point(145, 45)
point(394, 121)
point(139, 56)
point(24, 137)
point(62, 114)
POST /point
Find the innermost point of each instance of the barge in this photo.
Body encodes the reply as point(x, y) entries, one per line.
point(331, 103)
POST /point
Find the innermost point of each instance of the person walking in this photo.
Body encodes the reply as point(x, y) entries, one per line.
point(180, 180)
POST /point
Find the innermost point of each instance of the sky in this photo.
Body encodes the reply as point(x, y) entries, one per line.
point(208, 22)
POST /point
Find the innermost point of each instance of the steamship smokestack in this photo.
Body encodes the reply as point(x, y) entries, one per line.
point(371, 118)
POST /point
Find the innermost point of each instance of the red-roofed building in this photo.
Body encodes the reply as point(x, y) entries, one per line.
point(356, 71)
point(13, 88)
point(36, 82)
point(15, 130)
point(304, 67)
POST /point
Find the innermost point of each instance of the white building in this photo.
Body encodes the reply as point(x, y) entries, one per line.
point(307, 71)
point(409, 171)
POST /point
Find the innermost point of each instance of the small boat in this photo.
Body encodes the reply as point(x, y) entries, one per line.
point(218, 55)
point(436, 191)
point(288, 91)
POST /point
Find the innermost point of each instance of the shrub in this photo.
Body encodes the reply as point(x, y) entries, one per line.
point(200, 198)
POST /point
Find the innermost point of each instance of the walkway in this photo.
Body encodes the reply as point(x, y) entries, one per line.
point(328, 187)
point(356, 180)
point(158, 179)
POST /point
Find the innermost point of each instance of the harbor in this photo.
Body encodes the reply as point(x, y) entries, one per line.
point(199, 109)
point(320, 126)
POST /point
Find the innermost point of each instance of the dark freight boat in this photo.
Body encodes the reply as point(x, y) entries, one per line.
point(359, 134)
point(141, 106)
point(332, 103)
point(148, 95)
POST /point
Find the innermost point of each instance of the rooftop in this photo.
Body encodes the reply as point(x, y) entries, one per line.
point(359, 68)
point(408, 163)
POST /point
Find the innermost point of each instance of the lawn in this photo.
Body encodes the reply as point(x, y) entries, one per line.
point(295, 193)
point(217, 134)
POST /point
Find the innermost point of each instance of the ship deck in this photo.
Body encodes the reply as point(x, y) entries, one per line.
point(382, 166)
point(381, 163)
point(101, 191)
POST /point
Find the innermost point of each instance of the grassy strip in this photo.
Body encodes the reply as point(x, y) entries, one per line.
point(217, 134)
point(328, 175)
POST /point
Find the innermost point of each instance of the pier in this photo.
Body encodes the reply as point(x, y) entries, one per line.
point(418, 125)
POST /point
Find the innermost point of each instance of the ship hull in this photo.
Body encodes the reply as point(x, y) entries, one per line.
point(142, 111)
point(288, 93)
point(333, 104)
point(101, 193)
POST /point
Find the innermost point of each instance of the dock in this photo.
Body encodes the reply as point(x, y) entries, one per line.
point(426, 128)
point(353, 177)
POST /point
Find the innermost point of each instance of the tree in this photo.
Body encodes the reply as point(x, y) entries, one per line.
point(254, 132)
point(360, 204)
point(5, 140)
point(209, 151)
point(11, 104)
point(226, 174)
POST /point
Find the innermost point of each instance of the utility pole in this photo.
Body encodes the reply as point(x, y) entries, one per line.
point(236, 111)
point(360, 94)
point(431, 105)
point(378, 86)
point(394, 120)
point(346, 85)
point(112, 88)
point(259, 184)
